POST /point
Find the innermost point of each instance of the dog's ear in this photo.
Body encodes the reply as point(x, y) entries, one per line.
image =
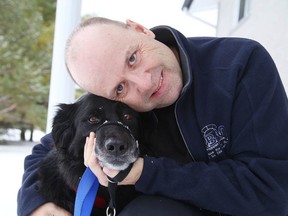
point(63, 128)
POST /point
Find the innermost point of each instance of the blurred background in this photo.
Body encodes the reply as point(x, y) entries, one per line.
point(33, 77)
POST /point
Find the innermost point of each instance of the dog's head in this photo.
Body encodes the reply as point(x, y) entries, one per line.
point(116, 126)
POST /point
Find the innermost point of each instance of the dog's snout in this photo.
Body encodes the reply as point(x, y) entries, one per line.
point(115, 147)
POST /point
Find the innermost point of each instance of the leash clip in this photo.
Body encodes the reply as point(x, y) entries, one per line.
point(112, 213)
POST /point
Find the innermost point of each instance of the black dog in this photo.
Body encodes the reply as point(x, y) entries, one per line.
point(117, 128)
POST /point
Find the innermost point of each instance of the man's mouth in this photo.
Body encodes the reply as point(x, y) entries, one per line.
point(159, 85)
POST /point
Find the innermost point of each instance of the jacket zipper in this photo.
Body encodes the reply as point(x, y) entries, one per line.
point(179, 128)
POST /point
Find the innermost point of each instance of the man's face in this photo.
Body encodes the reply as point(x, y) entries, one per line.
point(127, 65)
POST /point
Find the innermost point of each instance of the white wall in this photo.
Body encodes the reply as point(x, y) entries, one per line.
point(267, 22)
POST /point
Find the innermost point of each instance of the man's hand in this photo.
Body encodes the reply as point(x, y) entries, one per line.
point(90, 160)
point(50, 209)
point(133, 175)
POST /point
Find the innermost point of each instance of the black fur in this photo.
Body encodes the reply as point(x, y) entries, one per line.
point(61, 170)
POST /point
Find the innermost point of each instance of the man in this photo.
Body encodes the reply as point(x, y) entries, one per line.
point(220, 137)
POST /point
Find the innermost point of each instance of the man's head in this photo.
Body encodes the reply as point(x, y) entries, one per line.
point(124, 62)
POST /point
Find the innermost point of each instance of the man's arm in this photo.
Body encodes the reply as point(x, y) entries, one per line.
point(30, 202)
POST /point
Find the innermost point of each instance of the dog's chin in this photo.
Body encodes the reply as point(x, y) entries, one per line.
point(116, 164)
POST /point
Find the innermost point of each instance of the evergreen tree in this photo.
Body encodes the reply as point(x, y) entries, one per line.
point(26, 39)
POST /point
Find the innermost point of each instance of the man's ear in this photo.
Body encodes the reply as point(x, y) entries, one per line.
point(139, 28)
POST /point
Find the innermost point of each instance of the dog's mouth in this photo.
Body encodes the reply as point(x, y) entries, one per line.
point(115, 163)
point(116, 146)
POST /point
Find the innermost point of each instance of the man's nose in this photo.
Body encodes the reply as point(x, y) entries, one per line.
point(142, 81)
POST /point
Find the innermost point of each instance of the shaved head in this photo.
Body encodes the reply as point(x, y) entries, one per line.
point(71, 47)
point(124, 62)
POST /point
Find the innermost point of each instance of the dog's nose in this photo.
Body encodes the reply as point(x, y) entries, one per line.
point(116, 147)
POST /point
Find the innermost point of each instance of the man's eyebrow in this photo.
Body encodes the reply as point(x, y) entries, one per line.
point(111, 94)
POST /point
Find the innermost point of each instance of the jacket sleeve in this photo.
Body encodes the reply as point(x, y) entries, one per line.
point(28, 197)
point(253, 178)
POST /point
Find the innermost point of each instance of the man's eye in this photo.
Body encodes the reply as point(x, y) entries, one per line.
point(94, 120)
point(120, 89)
point(133, 59)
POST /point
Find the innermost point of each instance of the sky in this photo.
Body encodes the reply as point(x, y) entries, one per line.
point(151, 13)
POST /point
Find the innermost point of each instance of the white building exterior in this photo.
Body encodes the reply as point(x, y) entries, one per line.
point(265, 21)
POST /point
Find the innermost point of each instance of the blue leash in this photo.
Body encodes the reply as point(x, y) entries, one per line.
point(86, 194)
point(87, 191)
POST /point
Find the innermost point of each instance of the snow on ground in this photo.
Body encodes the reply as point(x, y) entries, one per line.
point(14, 135)
point(11, 167)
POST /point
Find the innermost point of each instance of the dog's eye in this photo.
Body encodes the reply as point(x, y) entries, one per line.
point(128, 116)
point(94, 120)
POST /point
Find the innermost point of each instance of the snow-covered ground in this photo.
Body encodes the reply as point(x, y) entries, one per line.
point(14, 135)
point(11, 169)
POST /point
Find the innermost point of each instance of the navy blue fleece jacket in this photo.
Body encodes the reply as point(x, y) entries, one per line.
point(232, 115)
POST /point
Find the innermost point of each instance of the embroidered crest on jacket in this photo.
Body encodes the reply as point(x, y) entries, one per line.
point(215, 140)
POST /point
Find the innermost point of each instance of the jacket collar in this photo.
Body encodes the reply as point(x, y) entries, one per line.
point(172, 37)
